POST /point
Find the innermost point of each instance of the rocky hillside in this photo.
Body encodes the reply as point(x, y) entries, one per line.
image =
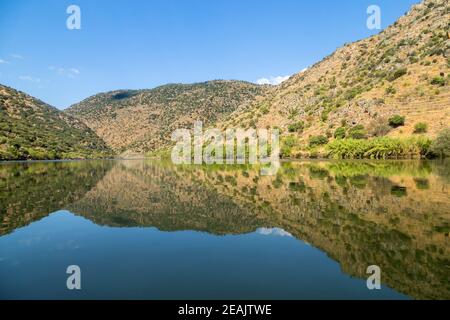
point(354, 92)
point(31, 129)
point(138, 121)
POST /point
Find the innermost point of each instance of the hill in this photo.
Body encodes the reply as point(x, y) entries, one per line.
point(355, 92)
point(31, 129)
point(139, 121)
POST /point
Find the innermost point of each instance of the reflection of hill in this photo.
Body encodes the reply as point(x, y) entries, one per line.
point(392, 215)
point(29, 192)
point(398, 220)
point(137, 194)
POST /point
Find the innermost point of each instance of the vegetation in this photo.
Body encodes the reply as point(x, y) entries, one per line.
point(379, 148)
point(317, 141)
point(441, 145)
point(287, 144)
point(31, 129)
point(397, 74)
point(296, 127)
point(340, 133)
point(396, 121)
point(391, 90)
point(420, 127)
point(357, 132)
point(438, 81)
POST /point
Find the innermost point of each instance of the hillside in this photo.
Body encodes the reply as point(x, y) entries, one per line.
point(404, 70)
point(31, 129)
point(139, 121)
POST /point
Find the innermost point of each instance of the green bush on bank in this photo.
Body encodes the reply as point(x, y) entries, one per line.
point(441, 146)
point(379, 148)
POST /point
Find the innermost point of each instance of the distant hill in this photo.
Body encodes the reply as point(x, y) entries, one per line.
point(138, 121)
point(402, 71)
point(31, 129)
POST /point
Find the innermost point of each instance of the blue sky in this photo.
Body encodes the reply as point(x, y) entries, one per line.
point(135, 44)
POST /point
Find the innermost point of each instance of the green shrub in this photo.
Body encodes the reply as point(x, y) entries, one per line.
point(420, 127)
point(438, 81)
point(287, 144)
point(296, 127)
point(399, 191)
point(317, 141)
point(264, 110)
point(441, 146)
point(340, 133)
point(391, 90)
point(422, 183)
point(397, 74)
point(396, 121)
point(357, 132)
point(352, 93)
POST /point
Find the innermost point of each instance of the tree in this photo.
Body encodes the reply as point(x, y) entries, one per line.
point(441, 146)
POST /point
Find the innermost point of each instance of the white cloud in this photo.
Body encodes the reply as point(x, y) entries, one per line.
point(3, 61)
point(16, 56)
point(273, 232)
point(272, 80)
point(70, 73)
point(30, 78)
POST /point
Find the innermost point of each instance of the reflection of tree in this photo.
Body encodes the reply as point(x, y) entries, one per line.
point(30, 191)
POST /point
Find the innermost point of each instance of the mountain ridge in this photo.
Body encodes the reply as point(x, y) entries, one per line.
point(143, 120)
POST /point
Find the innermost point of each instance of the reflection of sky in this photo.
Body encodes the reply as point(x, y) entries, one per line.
point(273, 232)
point(145, 263)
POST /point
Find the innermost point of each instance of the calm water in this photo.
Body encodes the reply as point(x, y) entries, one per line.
point(149, 230)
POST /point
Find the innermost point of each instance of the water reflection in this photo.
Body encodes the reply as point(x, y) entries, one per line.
point(392, 214)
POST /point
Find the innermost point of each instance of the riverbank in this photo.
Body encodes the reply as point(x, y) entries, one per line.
point(415, 147)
